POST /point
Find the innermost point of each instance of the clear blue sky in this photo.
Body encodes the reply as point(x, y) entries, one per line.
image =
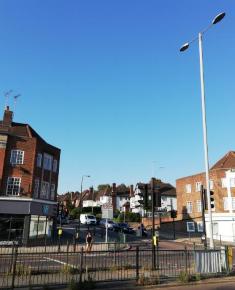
point(104, 81)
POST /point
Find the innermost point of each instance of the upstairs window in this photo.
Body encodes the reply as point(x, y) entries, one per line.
point(17, 157)
point(189, 207)
point(199, 206)
point(224, 183)
point(13, 186)
point(232, 182)
point(45, 190)
point(52, 191)
point(55, 164)
point(39, 160)
point(36, 188)
point(188, 188)
point(47, 161)
point(211, 184)
point(198, 186)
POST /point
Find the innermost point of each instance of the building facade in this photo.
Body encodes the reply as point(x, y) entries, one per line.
point(29, 169)
point(222, 187)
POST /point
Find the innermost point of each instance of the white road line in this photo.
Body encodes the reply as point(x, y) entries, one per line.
point(60, 262)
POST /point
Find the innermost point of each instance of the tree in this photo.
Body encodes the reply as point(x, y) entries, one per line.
point(103, 187)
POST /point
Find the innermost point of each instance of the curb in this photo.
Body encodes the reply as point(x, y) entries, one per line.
point(134, 286)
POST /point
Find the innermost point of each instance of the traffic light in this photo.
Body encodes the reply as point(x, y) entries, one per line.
point(143, 187)
point(173, 214)
point(146, 196)
point(212, 200)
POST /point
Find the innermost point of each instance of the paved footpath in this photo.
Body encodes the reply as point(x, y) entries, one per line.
point(226, 283)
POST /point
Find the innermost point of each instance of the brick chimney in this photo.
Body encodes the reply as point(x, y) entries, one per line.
point(131, 190)
point(7, 117)
point(114, 195)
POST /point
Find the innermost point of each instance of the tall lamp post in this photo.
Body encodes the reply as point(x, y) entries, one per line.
point(217, 19)
point(81, 197)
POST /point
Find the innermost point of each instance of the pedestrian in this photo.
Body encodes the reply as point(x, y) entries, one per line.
point(88, 242)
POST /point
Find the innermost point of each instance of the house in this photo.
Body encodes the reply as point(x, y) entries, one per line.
point(29, 169)
point(165, 191)
point(222, 186)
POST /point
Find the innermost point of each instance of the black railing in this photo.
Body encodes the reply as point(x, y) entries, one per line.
point(22, 266)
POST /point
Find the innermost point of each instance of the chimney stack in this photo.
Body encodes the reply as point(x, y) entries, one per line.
point(131, 190)
point(7, 117)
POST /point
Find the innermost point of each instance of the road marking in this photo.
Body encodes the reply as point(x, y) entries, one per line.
point(60, 262)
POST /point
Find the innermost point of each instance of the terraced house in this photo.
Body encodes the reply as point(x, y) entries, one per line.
point(29, 169)
point(222, 186)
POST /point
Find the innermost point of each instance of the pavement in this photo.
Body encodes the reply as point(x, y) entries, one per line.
point(220, 283)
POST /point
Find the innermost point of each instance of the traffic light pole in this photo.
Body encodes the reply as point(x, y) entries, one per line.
point(153, 226)
point(203, 202)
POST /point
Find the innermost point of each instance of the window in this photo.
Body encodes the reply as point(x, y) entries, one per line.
point(36, 188)
point(200, 227)
point(55, 164)
point(45, 190)
point(188, 188)
point(190, 227)
point(226, 203)
point(199, 206)
point(47, 161)
point(223, 181)
point(232, 182)
point(52, 191)
point(211, 184)
point(39, 160)
point(189, 207)
point(233, 203)
point(198, 186)
point(17, 157)
point(13, 186)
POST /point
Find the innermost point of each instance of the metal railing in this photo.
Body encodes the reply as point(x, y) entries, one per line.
point(21, 266)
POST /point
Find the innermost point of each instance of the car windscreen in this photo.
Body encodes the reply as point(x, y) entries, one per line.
point(91, 217)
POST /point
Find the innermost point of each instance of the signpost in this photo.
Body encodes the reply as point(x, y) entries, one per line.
point(107, 213)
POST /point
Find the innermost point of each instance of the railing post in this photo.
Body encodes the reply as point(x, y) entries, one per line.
point(81, 266)
point(14, 266)
point(137, 263)
point(186, 259)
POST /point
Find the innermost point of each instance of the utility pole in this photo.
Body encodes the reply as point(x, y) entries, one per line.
point(203, 202)
point(153, 198)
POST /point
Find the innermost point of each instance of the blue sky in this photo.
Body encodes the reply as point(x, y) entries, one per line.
point(104, 81)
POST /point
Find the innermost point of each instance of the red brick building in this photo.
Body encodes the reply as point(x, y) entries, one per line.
point(222, 185)
point(29, 169)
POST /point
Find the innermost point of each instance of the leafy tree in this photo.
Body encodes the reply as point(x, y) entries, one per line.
point(75, 213)
point(103, 187)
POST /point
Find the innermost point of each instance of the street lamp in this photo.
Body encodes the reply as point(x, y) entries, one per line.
point(82, 182)
point(217, 19)
point(80, 202)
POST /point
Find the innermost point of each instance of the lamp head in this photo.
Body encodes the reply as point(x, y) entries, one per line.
point(184, 47)
point(218, 18)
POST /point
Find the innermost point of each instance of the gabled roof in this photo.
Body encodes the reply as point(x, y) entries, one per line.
point(226, 162)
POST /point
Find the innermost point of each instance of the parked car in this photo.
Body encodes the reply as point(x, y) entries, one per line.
point(110, 224)
point(125, 228)
point(87, 219)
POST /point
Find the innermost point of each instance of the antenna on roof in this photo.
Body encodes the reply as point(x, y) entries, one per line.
point(15, 100)
point(6, 95)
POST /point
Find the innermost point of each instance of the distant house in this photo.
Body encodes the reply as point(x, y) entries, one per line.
point(222, 186)
point(166, 192)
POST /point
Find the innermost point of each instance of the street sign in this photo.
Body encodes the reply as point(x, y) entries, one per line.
point(107, 213)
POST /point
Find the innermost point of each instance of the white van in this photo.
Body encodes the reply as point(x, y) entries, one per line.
point(87, 219)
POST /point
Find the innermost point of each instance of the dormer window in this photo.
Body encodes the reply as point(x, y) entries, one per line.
point(17, 157)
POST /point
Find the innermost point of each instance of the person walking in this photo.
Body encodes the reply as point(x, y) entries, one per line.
point(88, 242)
